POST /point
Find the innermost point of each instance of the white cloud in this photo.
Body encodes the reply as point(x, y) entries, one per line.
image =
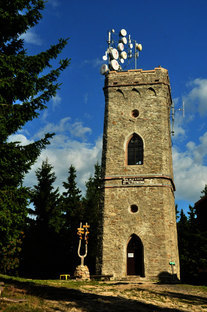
point(22, 139)
point(78, 130)
point(199, 152)
point(97, 62)
point(190, 170)
point(179, 131)
point(63, 126)
point(55, 101)
point(65, 150)
point(66, 127)
point(31, 37)
point(61, 153)
point(44, 115)
point(196, 100)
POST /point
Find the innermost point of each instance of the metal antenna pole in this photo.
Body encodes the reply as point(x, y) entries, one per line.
point(173, 117)
point(115, 54)
point(135, 56)
point(109, 39)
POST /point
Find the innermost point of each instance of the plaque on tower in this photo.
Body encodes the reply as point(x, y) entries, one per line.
point(130, 181)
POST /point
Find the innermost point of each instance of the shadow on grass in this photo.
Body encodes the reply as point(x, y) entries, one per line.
point(187, 298)
point(183, 297)
point(88, 302)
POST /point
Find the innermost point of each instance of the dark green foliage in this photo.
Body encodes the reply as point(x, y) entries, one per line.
point(11, 226)
point(24, 92)
point(72, 208)
point(192, 243)
point(204, 191)
point(42, 236)
point(46, 200)
point(92, 214)
point(72, 205)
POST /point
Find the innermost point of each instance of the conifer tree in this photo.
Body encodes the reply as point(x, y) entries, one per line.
point(72, 205)
point(192, 243)
point(92, 213)
point(42, 241)
point(204, 191)
point(73, 214)
point(46, 200)
point(24, 92)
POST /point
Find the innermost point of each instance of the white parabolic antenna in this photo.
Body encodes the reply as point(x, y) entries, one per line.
point(114, 64)
point(123, 32)
point(120, 46)
point(123, 55)
point(123, 40)
point(115, 54)
point(104, 69)
point(139, 46)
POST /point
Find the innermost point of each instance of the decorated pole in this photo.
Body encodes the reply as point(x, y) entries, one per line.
point(83, 234)
point(82, 271)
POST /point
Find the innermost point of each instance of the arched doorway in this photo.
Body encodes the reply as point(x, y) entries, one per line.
point(135, 256)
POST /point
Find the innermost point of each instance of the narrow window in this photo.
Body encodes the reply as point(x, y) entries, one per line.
point(135, 150)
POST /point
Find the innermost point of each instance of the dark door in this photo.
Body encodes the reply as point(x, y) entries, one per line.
point(135, 256)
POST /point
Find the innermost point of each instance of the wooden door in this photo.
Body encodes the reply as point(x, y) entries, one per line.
point(135, 256)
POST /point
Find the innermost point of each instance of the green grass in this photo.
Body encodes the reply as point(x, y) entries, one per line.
point(36, 292)
point(20, 308)
point(57, 283)
point(194, 287)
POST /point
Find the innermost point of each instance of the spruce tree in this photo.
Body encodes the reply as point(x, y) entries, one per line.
point(72, 205)
point(92, 214)
point(46, 200)
point(192, 243)
point(24, 92)
point(41, 250)
point(73, 214)
point(204, 191)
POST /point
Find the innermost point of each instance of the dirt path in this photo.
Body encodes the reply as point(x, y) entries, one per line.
point(113, 296)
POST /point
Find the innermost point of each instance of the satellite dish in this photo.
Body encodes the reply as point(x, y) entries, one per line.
point(123, 40)
point(104, 57)
point(123, 32)
point(120, 46)
point(114, 54)
point(114, 64)
point(104, 69)
point(139, 46)
point(123, 55)
point(122, 60)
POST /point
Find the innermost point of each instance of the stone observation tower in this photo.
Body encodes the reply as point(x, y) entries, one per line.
point(138, 222)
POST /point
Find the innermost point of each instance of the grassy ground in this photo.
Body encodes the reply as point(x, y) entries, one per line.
point(22, 295)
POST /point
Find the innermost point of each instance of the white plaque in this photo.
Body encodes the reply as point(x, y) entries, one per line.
point(130, 255)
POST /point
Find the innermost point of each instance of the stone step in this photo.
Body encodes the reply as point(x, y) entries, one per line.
point(136, 279)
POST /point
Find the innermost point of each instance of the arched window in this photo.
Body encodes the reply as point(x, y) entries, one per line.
point(135, 150)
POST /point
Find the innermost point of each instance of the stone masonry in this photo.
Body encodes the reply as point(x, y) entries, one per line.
point(148, 186)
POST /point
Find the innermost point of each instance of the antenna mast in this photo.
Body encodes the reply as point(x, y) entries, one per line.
point(115, 54)
point(173, 115)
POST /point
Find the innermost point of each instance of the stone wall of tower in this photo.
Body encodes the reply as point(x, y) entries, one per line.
point(149, 186)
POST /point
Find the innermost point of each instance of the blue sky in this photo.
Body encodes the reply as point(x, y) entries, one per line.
point(173, 35)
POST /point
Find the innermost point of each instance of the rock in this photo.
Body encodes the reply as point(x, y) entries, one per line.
point(82, 273)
